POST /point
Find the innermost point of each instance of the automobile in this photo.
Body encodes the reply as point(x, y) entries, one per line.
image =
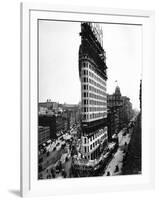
point(58, 167)
point(54, 149)
point(66, 159)
point(124, 151)
point(124, 134)
point(48, 142)
point(108, 173)
point(44, 144)
point(47, 148)
point(116, 168)
point(69, 155)
point(41, 151)
point(61, 137)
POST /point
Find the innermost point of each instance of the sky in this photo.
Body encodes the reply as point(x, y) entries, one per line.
point(58, 60)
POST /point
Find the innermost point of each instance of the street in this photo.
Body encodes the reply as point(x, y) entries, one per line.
point(115, 165)
point(58, 163)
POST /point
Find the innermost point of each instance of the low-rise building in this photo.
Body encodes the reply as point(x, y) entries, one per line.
point(120, 112)
point(43, 134)
point(57, 123)
point(114, 103)
point(48, 120)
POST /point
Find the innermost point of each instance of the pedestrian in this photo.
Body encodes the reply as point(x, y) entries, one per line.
point(116, 168)
point(108, 173)
point(52, 171)
point(64, 173)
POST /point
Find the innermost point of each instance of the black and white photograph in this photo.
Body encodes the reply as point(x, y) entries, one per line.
point(89, 99)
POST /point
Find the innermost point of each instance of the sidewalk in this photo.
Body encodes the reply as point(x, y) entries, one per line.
point(118, 156)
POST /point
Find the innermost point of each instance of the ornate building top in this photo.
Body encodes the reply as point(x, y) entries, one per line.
point(117, 91)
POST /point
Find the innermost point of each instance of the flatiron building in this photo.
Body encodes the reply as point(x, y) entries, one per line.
point(93, 77)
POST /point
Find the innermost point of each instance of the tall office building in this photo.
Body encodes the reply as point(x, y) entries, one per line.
point(114, 103)
point(93, 76)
